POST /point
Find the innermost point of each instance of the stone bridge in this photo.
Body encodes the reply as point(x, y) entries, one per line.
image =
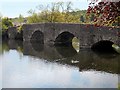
point(55, 33)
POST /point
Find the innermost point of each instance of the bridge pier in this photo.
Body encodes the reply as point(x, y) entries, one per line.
point(12, 32)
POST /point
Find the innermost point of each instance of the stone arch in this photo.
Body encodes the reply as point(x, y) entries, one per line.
point(103, 46)
point(37, 36)
point(37, 41)
point(64, 38)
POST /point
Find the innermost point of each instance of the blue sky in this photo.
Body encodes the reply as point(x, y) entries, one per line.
point(12, 8)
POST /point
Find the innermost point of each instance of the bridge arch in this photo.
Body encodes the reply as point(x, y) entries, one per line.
point(37, 36)
point(64, 38)
point(103, 46)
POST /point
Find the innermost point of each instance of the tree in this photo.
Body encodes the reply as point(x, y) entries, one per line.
point(6, 23)
point(20, 19)
point(92, 17)
point(82, 19)
point(68, 9)
point(105, 12)
point(54, 12)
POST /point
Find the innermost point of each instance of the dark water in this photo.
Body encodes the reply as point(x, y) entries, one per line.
point(34, 65)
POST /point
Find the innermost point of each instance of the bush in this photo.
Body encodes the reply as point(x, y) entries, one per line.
point(6, 23)
point(19, 28)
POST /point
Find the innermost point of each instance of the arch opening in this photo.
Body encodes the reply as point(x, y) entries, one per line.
point(103, 46)
point(64, 39)
point(37, 41)
point(67, 40)
point(37, 36)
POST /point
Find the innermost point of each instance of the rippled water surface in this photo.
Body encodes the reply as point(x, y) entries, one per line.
point(32, 65)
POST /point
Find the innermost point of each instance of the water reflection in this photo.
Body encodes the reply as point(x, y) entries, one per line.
point(86, 59)
point(57, 66)
point(66, 51)
point(37, 46)
point(12, 45)
point(76, 44)
point(106, 56)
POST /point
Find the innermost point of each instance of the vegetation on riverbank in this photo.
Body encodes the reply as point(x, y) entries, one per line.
point(54, 12)
point(59, 12)
point(5, 24)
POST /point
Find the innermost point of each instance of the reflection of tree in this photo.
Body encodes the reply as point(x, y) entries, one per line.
point(4, 47)
point(12, 44)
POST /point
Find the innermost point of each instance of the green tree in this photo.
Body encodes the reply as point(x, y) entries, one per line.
point(92, 17)
point(82, 19)
point(34, 17)
point(20, 19)
point(54, 12)
point(6, 23)
point(67, 11)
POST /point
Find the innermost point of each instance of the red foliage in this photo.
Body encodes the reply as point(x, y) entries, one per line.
point(105, 12)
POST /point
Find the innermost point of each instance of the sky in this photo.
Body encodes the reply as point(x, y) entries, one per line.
point(13, 8)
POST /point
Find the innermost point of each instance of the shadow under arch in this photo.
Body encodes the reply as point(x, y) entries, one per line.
point(64, 39)
point(37, 41)
point(64, 44)
point(37, 36)
point(103, 46)
point(66, 51)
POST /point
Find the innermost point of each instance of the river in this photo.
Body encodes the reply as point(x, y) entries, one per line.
point(34, 65)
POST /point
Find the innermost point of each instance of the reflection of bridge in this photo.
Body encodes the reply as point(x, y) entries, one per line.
point(63, 32)
point(87, 59)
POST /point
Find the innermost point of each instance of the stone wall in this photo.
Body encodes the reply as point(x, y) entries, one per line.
point(87, 34)
point(12, 32)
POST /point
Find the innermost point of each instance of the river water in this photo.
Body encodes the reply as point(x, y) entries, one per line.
point(32, 65)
